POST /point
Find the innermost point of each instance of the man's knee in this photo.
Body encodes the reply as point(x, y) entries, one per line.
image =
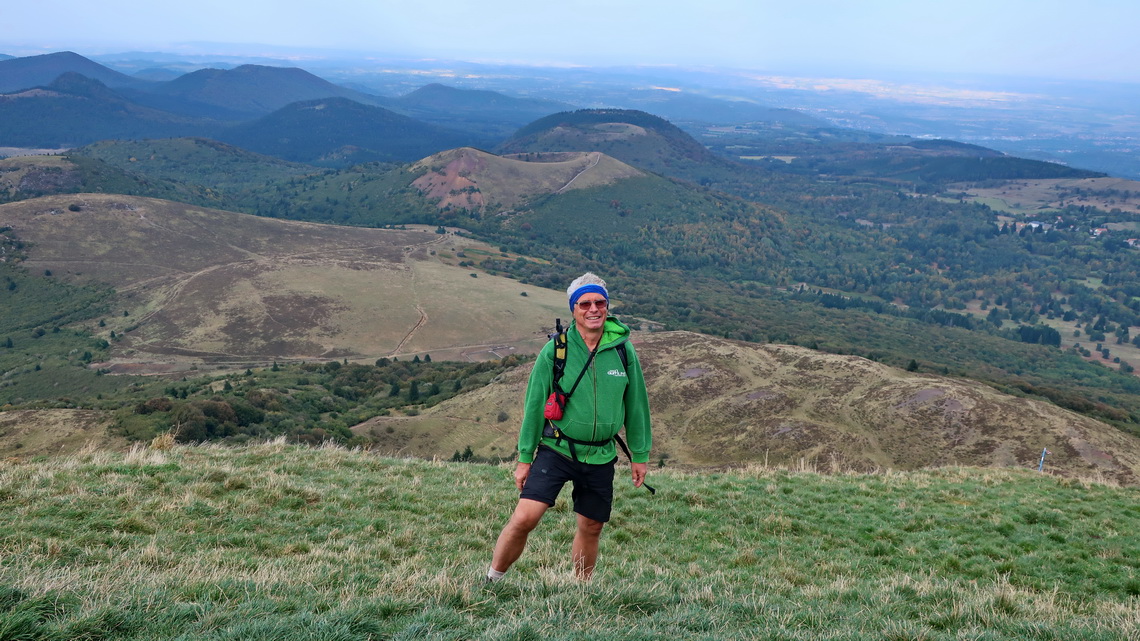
point(527, 515)
point(589, 526)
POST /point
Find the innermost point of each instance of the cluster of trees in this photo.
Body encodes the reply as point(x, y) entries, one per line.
point(309, 403)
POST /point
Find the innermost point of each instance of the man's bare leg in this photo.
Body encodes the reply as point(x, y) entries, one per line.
point(512, 540)
point(584, 552)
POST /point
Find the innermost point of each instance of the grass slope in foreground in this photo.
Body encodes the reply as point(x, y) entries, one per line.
point(283, 542)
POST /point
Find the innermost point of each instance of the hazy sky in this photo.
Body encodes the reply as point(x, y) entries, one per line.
point(1094, 39)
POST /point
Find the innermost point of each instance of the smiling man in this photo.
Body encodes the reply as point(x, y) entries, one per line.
point(575, 440)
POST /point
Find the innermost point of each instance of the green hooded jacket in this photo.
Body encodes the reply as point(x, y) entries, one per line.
point(608, 397)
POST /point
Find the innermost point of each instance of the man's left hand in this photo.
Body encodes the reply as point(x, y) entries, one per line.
point(639, 470)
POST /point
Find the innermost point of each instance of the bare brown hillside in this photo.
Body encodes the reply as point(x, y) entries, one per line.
point(717, 402)
point(200, 286)
point(471, 179)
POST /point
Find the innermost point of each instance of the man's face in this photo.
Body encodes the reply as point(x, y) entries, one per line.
point(590, 311)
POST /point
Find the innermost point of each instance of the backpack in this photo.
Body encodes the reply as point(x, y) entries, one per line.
point(561, 398)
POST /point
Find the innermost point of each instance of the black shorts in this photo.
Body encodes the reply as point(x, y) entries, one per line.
point(593, 484)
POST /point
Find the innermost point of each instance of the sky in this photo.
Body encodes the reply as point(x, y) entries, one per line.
point(1092, 39)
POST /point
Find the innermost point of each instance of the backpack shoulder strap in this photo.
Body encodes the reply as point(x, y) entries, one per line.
point(559, 338)
point(624, 357)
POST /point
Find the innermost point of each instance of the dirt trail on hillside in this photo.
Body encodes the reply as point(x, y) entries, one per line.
point(415, 293)
point(595, 157)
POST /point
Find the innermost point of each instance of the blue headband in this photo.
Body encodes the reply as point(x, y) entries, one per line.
point(587, 289)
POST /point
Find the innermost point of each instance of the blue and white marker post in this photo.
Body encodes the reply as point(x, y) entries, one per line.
point(1041, 463)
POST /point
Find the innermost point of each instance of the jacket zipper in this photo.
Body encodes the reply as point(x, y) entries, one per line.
point(594, 376)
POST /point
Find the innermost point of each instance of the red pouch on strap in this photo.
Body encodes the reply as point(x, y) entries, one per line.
point(555, 404)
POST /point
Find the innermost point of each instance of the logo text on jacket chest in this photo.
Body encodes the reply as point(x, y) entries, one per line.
point(616, 372)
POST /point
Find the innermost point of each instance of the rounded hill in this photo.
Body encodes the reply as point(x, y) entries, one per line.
point(471, 179)
point(635, 137)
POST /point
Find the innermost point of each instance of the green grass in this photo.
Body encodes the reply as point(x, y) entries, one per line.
point(284, 542)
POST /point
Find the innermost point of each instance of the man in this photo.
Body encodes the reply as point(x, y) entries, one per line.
point(578, 447)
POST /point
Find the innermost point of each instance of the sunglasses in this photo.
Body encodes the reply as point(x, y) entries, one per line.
point(587, 304)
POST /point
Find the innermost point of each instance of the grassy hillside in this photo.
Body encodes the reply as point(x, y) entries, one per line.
point(198, 286)
point(215, 174)
point(719, 402)
point(29, 434)
point(42, 355)
point(24, 177)
point(283, 542)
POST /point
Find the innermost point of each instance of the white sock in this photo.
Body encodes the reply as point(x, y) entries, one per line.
point(494, 575)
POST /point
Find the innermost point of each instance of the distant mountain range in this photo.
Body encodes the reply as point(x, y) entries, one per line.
point(253, 90)
point(779, 231)
point(36, 71)
point(485, 112)
point(66, 100)
point(681, 107)
point(74, 110)
point(339, 131)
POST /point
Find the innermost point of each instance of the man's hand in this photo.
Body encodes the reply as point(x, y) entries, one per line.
point(639, 470)
point(522, 471)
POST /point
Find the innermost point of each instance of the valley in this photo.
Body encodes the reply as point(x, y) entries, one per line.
point(280, 225)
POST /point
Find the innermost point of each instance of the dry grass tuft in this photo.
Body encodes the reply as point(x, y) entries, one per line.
point(163, 442)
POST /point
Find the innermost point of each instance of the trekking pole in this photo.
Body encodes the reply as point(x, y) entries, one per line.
point(1041, 463)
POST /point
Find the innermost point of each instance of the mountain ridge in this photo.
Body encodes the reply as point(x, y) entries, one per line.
point(318, 130)
point(724, 403)
point(34, 71)
point(256, 90)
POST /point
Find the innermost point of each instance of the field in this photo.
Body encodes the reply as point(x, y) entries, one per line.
point(284, 542)
point(1030, 196)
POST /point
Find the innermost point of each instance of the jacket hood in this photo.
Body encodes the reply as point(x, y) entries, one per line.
point(613, 332)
